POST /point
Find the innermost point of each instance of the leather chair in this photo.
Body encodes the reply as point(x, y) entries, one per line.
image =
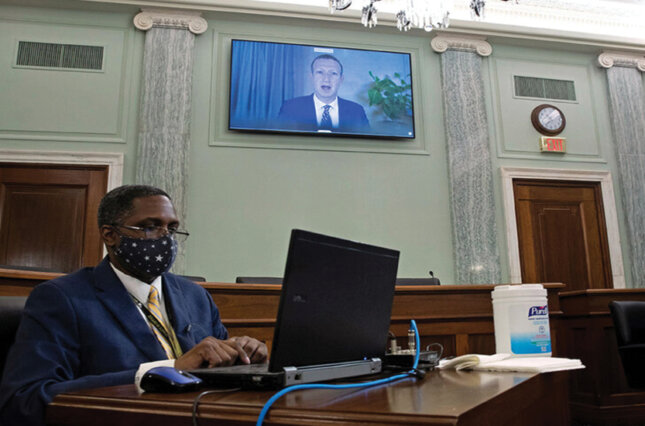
point(11, 308)
point(629, 324)
point(277, 280)
point(194, 278)
point(258, 280)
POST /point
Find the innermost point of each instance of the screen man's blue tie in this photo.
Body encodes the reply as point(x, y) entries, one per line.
point(325, 122)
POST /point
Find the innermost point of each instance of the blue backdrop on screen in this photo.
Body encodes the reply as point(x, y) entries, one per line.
point(272, 90)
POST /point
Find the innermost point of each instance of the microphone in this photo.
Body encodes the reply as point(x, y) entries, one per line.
point(433, 280)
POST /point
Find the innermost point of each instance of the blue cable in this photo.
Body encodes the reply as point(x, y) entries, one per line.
point(407, 374)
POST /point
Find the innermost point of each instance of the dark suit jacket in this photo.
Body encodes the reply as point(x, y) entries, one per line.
point(300, 114)
point(83, 330)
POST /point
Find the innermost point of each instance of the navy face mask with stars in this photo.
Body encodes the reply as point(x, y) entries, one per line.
point(147, 257)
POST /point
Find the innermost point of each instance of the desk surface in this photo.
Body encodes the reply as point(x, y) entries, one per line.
point(441, 398)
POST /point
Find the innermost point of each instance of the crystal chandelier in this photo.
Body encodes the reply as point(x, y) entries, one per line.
point(426, 14)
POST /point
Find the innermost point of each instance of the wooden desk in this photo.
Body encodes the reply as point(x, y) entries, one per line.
point(442, 398)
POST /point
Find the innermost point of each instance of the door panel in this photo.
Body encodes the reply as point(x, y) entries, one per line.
point(562, 233)
point(48, 216)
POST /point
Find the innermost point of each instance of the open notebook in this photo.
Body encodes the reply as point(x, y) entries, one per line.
point(506, 362)
point(333, 317)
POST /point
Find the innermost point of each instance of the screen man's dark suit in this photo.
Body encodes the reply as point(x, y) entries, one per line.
point(83, 330)
point(300, 114)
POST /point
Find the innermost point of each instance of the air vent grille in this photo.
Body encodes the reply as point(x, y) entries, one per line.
point(545, 88)
point(52, 55)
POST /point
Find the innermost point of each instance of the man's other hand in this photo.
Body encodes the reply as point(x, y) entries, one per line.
point(255, 350)
point(212, 352)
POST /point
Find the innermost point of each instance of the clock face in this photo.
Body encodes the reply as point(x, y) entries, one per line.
point(548, 120)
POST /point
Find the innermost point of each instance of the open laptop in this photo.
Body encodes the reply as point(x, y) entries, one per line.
point(333, 317)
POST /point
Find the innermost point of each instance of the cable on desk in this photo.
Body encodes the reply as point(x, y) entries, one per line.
point(208, 392)
point(414, 372)
point(440, 349)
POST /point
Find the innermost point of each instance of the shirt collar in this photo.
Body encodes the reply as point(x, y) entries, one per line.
point(136, 287)
point(319, 104)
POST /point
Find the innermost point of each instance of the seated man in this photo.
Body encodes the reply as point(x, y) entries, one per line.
point(324, 109)
point(98, 326)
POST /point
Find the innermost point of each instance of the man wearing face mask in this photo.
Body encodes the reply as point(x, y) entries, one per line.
point(109, 324)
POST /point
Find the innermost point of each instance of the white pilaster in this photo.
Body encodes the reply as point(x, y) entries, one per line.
point(441, 43)
point(609, 58)
point(179, 19)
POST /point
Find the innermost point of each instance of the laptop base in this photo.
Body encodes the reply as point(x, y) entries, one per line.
point(227, 377)
point(325, 372)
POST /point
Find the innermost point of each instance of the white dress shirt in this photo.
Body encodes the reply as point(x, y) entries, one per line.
point(333, 111)
point(140, 291)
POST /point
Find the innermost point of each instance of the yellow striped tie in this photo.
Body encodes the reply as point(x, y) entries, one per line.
point(154, 306)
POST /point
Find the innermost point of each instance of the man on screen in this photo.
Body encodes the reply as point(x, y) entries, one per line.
point(324, 110)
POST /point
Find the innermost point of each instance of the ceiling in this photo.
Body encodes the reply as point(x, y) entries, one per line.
point(607, 23)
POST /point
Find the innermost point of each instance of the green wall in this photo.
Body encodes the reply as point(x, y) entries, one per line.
point(247, 191)
point(514, 141)
point(61, 110)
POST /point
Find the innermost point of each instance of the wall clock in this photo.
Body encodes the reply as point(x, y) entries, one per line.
point(548, 119)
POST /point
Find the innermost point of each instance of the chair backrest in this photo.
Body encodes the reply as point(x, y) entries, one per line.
point(629, 324)
point(194, 278)
point(11, 308)
point(629, 321)
point(258, 280)
point(418, 281)
point(278, 280)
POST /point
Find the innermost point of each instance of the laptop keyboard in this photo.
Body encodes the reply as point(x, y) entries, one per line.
point(251, 368)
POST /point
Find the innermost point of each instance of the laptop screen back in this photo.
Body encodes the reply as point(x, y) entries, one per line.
point(336, 301)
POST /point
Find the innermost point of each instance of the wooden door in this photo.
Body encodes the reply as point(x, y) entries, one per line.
point(562, 233)
point(48, 215)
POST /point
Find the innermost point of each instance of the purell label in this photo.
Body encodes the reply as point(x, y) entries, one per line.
point(529, 333)
point(538, 311)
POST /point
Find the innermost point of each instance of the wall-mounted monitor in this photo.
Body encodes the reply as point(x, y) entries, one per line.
point(320, 90)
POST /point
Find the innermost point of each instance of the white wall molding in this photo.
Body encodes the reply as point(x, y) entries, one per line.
point(612, 19)
point(601, 23)
point(609, 203)
point(608, 59)
point(442, 42)
point(170, 18)
point(113, 160)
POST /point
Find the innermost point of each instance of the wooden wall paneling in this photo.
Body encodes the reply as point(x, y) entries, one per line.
point(481, 343)
point(96, 189)
point(459, 317)
point(254, 303)
point(30, 238)
point(617, 382)
point(599, 394)
point(247, 309)
point(48, 215)
point(14, 282)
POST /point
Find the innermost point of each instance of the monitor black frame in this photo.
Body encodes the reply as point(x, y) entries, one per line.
point(322, 134)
